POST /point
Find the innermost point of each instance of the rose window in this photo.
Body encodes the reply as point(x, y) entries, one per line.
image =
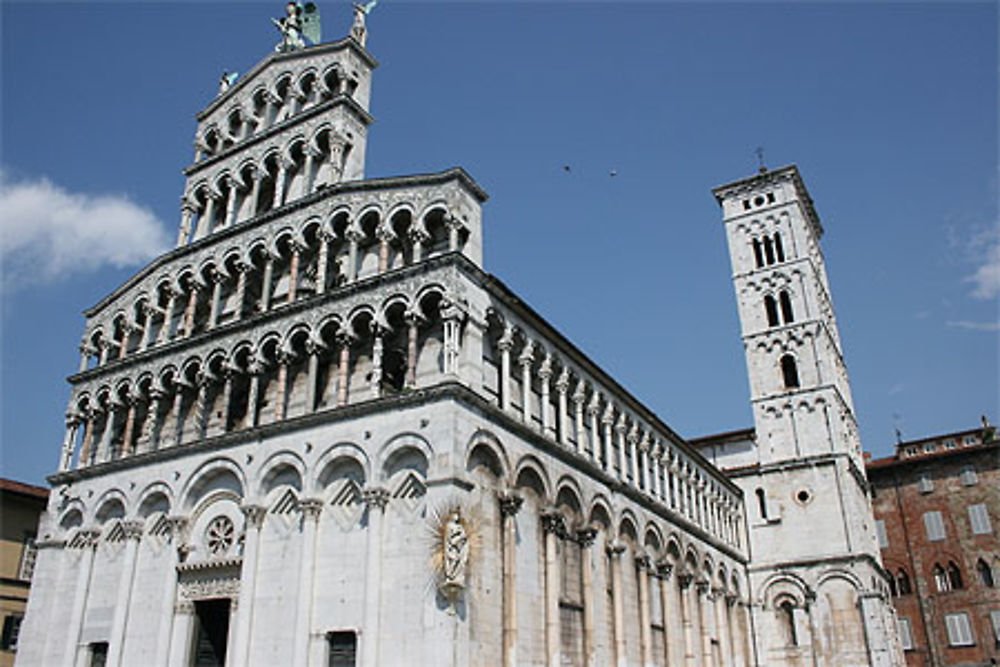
point(220, 535)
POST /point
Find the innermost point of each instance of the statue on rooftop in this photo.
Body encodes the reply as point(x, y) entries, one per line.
point(301, 22)
point(358, 30)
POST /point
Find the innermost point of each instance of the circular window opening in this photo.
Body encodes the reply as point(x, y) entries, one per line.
point(758, 200)
point(803, 496)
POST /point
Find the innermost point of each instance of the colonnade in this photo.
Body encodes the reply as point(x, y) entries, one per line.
point(687, 601)
point(600, 429)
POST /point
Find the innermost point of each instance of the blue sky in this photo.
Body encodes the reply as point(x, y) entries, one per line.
point(890, 111)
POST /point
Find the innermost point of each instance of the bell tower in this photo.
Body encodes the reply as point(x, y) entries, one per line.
point(813, 547)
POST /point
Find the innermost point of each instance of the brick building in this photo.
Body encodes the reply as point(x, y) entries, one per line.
point(936, 500)
point(20, 507)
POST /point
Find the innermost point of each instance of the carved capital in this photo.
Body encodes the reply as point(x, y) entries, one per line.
point(562, 382)
point(644, 562)
point(615, 548)
point(554, 522)
point(510, 503)
point(311, 508)
point(664, 569)
point(133, 529)
point(254, 515)
point(375, 498)
point(385, 234)
point(545, 369)
point(685, 579)
point(178, 527)
point(586, 536)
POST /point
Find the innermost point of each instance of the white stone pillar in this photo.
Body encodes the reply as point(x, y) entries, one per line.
point(620, 430)
point(553, 527)
point(178, 528)
point(722, 629)
point(615, 549)
point(88, 437)
point(454, 225)
point(376, 499)
point(377, 350)
point(168, 316)
point(86, 541)
point(207, 216)
point(148, 312)
point(116, 642)
point(248, 585)
point(192, 306)
point(632, 442)
point(562, 422)
point(307, 176)
point(265, 287)
point(579, 397)
point(505, 344)
point(73, 421)
point(187, 213)
point(412, 320)
point(586, 538)
point(385, 236)
point(525, 359)
point(258, 176)
point(593, 407)
point(279, 182)
point(151, 425)
point(324, 238)
point(544, 378)
point(664, 570)
point(510, 504)
point(293, 270)
point(104, 446)
point(231, 202)
point(311, 509)
point(242, 269)
point(642, 566)
point(344, 340)
point(354, 237)
point(418, 237)
point(312, 349)
point(607, 421)
point(85, 352)
point(704, 622)
point(687, 623)
point(182, 634)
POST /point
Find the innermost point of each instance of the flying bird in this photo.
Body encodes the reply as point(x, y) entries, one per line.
point(614, 172)
point(566, 168)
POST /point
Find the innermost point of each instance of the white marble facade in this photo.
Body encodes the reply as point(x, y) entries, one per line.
point(272, 422)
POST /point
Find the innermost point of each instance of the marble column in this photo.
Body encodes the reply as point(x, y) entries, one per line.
point(324, 238)
point(615, 550)
point(354, 237)
point(148, 440)
point(722, 631)
point(265, 287)
point(104, 452)
point(632, 442)
point(376, 500)
point(168, 316)
point(553, 527)
point(608, 422)
point(85, 352)
point(313, 349)
point(182, 634)
point(187, 214)
point(86, 541)
point(293, 270)
point(258, 176)
point(279, 182)
point(704, 601)
point(525, 359)
point(377, 350)
point(285, 357)
point(73, 421)
point(562, 420)
point(308, 168)
point(127, 329)
point(412, 320)
point(191, 309)
point(385, 236)
point(344, 340)
point(593, 407)
point(579, 397)
point(311, 509)
point(684, 581)
point(418, 237)
point(88, 437)
point(116, 641)
point(178, 530)
point(454, 225)
point(642, 566)
point(544, 379)
point(218, 278)
point(148, 313)
point(510, 504)
point(586, 539)
point(248, 585)
point(664, 569)
point(505, 344)
point(231, 207)
point(133, 402)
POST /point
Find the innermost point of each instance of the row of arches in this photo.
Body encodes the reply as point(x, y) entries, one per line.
point(563, 403)
point(279, 175)
point(294, 263)
point(369, 352)
point(270, 103)
point(947, 577)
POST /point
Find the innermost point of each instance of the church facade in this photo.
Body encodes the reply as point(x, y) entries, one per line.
point(317, 432)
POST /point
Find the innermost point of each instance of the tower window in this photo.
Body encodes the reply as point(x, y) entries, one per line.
point(768, 250)
point(786, 614)
point(762, 503)
point(343, 648)
point(954, 576)
point(789, 372)
point(903, 582)
point(758, 254)
point(772, 311)
point(786, 307)
point(779, 251)
point(941, 582)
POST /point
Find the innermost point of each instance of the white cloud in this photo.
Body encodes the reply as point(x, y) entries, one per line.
point(48, 234)
point(975, 326)
point(987, 276)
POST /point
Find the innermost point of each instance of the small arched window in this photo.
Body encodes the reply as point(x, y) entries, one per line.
point(941, 582)
point(985, 573)
point(778, 249)
point(758, 254)
point(761, 503)
point(786, 307)
point(768, 250)
point(903, 582)
point(772, 311)
point(789, 372)
point(786, 617)
point(954, 576)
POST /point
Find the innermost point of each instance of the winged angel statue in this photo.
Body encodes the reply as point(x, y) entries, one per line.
point(300, 21)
